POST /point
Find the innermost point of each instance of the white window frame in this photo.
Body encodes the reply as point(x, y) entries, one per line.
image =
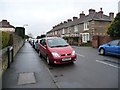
point(76, 28)
point(86, 26)
point(68, 30)
point(63, 31)
point(85, 37)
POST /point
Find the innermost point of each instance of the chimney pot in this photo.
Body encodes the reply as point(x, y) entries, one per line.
point(100, 13)
point(74, 18)
point(111, 15)
point(91, 11)
point(82, 15)
point(65, 21)
point(69, 20)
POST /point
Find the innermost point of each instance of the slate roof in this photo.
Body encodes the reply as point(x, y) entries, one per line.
point(5, 24)
point(87, 18)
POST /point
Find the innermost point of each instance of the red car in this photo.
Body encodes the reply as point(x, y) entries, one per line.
point(56, 50)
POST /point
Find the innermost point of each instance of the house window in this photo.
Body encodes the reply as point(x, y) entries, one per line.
point(86, 26)
point(85, 37)
point(68, 30)
point(63, 31)
point(75, 28)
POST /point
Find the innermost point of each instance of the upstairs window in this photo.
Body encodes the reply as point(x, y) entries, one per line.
point(86, 26)
point(55, 32)
point(76, 28)
point(63, 31)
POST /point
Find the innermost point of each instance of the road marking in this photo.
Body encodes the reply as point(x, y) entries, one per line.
point(80, 55)
point(107, 64)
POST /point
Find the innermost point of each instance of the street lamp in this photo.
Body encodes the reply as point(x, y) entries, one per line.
point(24, 27)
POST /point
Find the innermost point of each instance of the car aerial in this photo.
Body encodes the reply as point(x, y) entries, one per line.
point(56, 50)
point(111, 48)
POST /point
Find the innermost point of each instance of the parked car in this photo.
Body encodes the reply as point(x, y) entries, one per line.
point(56, 50)
point(111, 48)
point(33, 43)
point(36, 45)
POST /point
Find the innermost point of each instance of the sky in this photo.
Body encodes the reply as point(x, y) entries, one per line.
point(41, 15)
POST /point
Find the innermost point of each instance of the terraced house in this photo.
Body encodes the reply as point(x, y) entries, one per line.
point(5, 26)
point(84, 27)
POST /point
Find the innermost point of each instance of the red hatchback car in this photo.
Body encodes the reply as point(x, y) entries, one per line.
point(56, 50)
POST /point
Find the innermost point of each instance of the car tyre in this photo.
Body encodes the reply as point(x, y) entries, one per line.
point(102, 51)
point(48, 60)
point(40, 54)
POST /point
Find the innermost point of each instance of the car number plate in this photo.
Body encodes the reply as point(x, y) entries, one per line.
point(66, 59)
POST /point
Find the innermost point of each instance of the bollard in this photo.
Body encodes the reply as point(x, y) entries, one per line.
point(8, 51)
point(12, 51)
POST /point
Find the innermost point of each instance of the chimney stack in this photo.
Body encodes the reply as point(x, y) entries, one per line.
point(65, 21)
point(75, 18)
point(100, 13)
point(5, 23)
point(111, 15)
point(91, 11)
point(69, 20)
point(82, 15)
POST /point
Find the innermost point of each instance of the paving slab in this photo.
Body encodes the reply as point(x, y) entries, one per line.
point(26, 78)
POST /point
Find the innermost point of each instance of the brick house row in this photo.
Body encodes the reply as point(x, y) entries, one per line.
point(95, 23)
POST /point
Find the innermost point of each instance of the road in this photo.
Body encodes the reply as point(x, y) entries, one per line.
point(91, 70)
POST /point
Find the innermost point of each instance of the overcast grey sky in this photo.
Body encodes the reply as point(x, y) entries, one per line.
point(42, 15)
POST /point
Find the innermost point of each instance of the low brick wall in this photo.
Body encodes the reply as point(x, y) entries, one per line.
point(17, 43)
point(99, 40)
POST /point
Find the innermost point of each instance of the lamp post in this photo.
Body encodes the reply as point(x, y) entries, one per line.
point(24, 27)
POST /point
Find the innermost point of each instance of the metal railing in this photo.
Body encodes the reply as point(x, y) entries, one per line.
point(10, 55)
point(7, 56)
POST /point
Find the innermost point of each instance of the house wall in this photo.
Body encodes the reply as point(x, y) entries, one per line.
point(80, 28)
point(99, 40)
point(7, 29)
point(100, 27)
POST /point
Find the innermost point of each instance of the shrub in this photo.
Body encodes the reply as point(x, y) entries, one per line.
point(5, 39)
point(114, 28)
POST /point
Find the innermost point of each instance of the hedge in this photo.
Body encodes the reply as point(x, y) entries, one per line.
point(5, 39)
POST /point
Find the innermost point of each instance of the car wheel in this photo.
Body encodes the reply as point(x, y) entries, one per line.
point(37, 51)
point(48, 60)
point(40, 54)
point(102, 51)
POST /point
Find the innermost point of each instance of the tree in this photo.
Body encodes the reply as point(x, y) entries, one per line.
point(114, 28)
point(20, 31)
point(41, 36)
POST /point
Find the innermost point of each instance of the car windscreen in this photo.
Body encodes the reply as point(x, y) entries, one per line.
point(57, 43)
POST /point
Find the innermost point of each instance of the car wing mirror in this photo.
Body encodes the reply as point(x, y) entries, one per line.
point(45, 46)
point(108, 44)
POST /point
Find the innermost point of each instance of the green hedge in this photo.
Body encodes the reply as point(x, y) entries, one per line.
point(5, 39)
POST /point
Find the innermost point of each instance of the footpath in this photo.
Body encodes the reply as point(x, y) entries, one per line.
point(27, 71)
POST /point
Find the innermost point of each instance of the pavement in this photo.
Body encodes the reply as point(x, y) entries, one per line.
point(28, 70)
